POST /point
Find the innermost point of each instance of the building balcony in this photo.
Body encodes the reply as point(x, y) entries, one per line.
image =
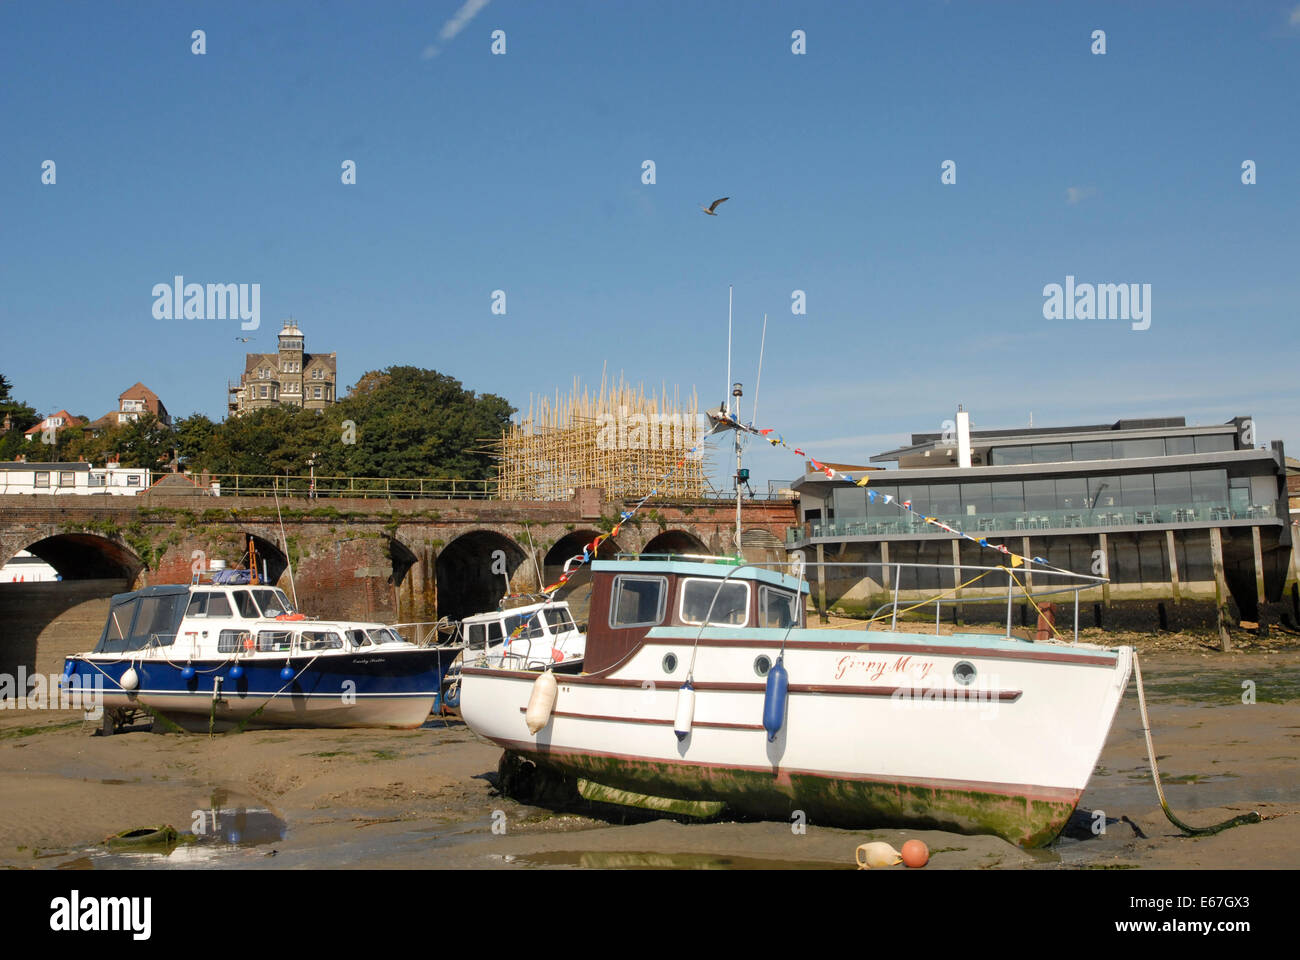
point(1010, 524)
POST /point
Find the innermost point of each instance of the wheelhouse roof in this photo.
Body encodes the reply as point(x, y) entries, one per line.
point(717, 569)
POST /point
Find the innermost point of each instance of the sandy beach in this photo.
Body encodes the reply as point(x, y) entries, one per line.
point(272, 799)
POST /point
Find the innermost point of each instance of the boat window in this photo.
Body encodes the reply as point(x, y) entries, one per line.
point(232, 641)
point(494, 633)
point(208, 605)
point(558, 619)
point(320, 640)
point(273, 603)
point(777, 608)
point(244, 603)
point(638, 601)
point(274, 640)
point(385, 635)
point(157, 620)
point(474, 634)
point(358, 638)
point(530, 622)
point(731, 607)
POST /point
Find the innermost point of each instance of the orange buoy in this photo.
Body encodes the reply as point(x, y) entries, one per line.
point(915, 853)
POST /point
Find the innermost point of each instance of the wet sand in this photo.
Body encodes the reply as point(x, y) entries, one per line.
point(279, 799)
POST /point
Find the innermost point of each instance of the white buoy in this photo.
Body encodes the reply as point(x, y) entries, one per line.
point(685, 711)
point(541, 702)
point(130, 679)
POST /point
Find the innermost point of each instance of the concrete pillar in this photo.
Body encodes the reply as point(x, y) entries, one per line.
point(956, 579)
point(1220, 587)
point(1029, 568)
point(1105, 561)
point(1173, 567)
point(1259, 567)
point(821, 584)
point(886, 578)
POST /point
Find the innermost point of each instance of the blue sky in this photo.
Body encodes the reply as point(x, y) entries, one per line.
point(522, 173)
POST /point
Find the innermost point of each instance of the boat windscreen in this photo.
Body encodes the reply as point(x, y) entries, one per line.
point(273, 603)
point(143, 620)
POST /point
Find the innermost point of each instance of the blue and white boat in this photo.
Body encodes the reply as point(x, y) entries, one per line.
point(227, 653)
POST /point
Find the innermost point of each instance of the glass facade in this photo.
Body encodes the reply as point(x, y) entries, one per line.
point(1118, 449)
point(1178, 496)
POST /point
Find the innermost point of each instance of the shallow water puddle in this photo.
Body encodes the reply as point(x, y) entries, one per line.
point(216, 834)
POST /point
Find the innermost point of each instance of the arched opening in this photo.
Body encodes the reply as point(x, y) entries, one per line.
point(59, 604)
point(577, 590)
point(86, 556)
point(477, 569)
point(271, 561)
point(676, 541)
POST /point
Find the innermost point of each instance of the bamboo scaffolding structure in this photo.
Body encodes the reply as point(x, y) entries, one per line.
point(617, 439)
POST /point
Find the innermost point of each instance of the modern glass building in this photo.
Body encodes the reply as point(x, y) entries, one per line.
point(1155, 498)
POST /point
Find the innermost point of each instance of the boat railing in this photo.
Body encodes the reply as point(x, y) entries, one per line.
point(1076, 583)
point(429, 633)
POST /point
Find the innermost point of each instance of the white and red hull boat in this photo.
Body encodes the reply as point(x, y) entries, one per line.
point(973, 733)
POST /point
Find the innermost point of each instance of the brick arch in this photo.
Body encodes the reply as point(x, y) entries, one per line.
point(79, 555)
point(466, 580)
point(676, 541)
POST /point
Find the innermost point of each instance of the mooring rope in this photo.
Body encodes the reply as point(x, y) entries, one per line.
point(1252, 817)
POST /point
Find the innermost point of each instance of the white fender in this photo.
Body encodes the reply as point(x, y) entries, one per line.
point(541, 702)
point(685, 711)
point(130, 679)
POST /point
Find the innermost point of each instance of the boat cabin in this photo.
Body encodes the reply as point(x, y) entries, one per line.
point(547, 636)
point(220, 621)
point(634, 594)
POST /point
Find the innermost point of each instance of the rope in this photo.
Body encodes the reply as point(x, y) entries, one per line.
point(929, 600)
point(239, 728)
point(1050, 621)
point(1252, 817)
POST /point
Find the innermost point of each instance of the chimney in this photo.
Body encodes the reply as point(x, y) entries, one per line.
point(963, 438)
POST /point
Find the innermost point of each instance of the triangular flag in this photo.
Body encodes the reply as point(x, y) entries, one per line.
point(1017, 561)
point(863, 481)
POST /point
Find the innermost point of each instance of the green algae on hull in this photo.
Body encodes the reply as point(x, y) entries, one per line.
point(1026, 821)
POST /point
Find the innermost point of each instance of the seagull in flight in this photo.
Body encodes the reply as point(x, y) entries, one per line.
point(710, 210)
point(243, 339)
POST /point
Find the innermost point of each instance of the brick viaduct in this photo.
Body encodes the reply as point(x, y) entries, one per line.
point(390, 560)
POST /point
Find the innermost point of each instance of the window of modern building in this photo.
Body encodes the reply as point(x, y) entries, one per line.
point(944, 498)
point(1214, 443)
point(1006, 456)
point(1144, 447)
point(850, 503)
point(1008, 496)
point(1093, 450)
point(1071, 493)
point(1209, 486)
point(1051, 452)
point(1173, 488)
point(918, 495)
point(1179, 446)
point(1040, 494)
point(1137, 490)
point(976, 498)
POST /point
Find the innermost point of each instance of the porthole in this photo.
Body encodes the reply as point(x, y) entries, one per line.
point(762, 665)
point(670, 662)
point(964, 672)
